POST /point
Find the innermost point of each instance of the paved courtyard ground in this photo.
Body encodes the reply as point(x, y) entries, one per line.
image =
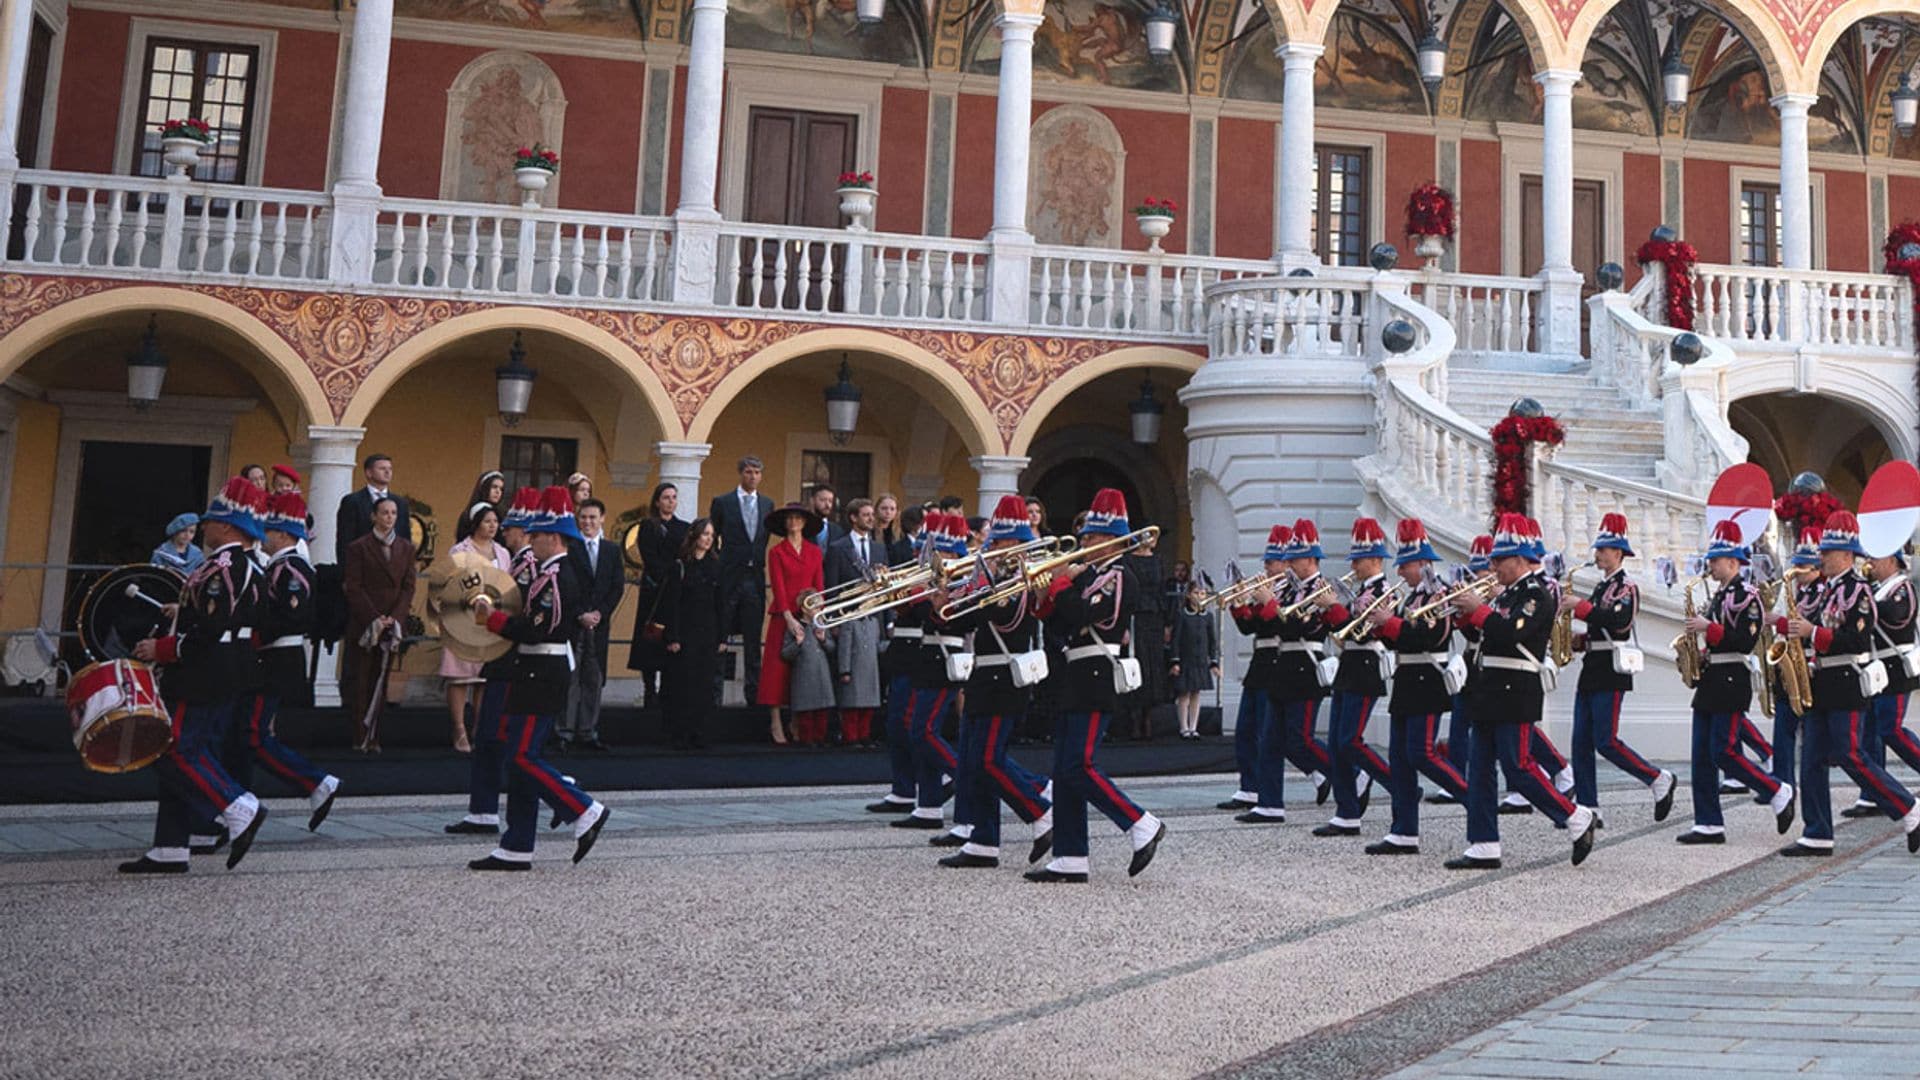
point(787, 933)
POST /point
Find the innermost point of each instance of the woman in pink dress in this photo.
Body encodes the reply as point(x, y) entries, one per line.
point(463, 675)
point(794, 565)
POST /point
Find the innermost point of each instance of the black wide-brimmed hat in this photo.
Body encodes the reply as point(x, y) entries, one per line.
point(776, 523)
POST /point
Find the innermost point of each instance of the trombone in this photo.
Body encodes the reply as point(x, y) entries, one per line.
point(958, 569)
point(893, 587)
point(1358, 626)
point(1033, 574)
point(1345, 583)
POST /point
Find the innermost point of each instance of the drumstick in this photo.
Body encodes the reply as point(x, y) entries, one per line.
point(133, 593)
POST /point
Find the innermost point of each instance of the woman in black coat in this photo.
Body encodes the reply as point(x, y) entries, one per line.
point(690, 613)
point(661, 537)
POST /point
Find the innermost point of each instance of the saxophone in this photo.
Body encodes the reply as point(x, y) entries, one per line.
point(1686, 649)
point(1560, 640)
point(1788, 658)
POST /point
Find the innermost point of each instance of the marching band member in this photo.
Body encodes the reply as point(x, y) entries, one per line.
point(1460, 726)
point(1609, 614)
point(1297, 691)
point(1842, 633)
point(1088, 606)
point(933, 693)
point(1419, 691)
point(286, 618)
point(1259, 619)
point(1894, 609)
point(1731, 624)
point(487, 770)
point(1803, 598)
point(211, 660)
point(542, 672)
point(1356, 685)
point(902, 655)
point(993, 707)
point(1509, 696)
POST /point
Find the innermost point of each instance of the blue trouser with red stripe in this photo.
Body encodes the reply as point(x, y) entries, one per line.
point(1512, 746)
point(932, 754)
point(1890, 732)
point(1410, 754)
point(488, 771)
point(194, 786)
point(1347, 738)
point(899, 739)
point(1596, 727)
point(1786, 731)
point(1545, 757)
point(995, 776)
point(1077, 781)
point(1459, 735)
point(530, 779)
point(1254, 710)
point(1835, 738)
point(254, 732)
point(1716, 749)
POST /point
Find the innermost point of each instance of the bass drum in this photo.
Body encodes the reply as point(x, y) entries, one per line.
point(119, 722)
point(124, 608)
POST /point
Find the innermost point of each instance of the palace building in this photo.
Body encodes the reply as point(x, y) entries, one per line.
point(343, 264)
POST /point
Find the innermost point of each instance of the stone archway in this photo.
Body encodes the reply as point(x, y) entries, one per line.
point(1070, 463)
point(1790, 434)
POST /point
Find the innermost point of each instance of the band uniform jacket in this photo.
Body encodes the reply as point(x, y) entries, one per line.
point(1726, 686)
point(1893, 611)
point(1262, 624)
point(210, 651)
point(1296, 680)
point(990, 689)
point(1097, 602)
point(286, 619)
point(1609, 614)
point(1359, 671)
point(1844, 627)
point(546, 618)
point(1419, 684)
point(524, 565)
point(1519, 618)
point(907, 654)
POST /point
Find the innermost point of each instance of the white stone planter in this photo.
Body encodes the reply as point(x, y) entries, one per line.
point(1429, 247)
point(182, 153)
point(858, 204)
point(532, 180)
point(1154, 227)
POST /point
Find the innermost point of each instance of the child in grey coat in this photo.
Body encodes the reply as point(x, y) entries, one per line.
point(811, 683)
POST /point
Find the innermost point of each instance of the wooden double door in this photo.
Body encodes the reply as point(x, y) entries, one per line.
point(1589, 235)
point(794, 161)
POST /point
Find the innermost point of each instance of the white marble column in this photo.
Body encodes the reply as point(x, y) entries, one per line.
point(1560, 302)
point(16, 30)
point(1293, 188)
point(1796, 182)
point(356, 186)
point(1011, 268)
point(332, 472)
point(999, 475)
point(680, 466)
point(696, 241)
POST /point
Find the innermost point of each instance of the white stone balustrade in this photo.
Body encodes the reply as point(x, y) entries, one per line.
point(474, 248)
point(1489, 314)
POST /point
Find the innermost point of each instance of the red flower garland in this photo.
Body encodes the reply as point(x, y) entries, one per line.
point(1804, 511)
point(1678, 257)
point(1512, 486)
point(1907, 232)
point(1430, 211)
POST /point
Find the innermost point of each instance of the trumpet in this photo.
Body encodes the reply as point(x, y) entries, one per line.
point(1034, 573)
point(1345, 583)
point(1359, 627)
point(1482, 587)
point(1245, 587)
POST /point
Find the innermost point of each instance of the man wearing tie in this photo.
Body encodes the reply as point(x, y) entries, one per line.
point(737, 516)
point(354, 518)
point(857, 643)
point(823, 500)
point(597, 562)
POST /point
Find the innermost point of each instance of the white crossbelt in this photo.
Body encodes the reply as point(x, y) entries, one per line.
point(906, 633)
point(1301, 646)
point(1882, 654)
point(991, 660)
point(1600, 645)
point(1088, 652)
point(1437, 659)
point(289, 642)
point(547, 648)
point(1266, 643)
point(943, 639)
point(1727, 657)
point(1509, 663)
point(1854, 660)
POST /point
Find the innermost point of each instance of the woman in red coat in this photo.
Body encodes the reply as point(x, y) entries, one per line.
point(794, 565)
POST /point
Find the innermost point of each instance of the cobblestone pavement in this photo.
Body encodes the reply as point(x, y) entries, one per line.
point(788, 933)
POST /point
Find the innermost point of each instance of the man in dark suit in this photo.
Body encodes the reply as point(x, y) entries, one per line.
point(354, 519)
point(855, 549)
point(380, 577)
point(596, 562)
point(823, 501)
point(739, 519)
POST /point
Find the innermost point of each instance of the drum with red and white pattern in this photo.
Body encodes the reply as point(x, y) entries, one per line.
point(119, 722)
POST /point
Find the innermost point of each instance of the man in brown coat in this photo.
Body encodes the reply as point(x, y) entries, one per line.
point(379, 585)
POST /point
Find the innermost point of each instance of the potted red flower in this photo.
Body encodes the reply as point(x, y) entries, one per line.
point(858, 198)
point(1430, 220)
point(533, 169)
point(1154, 218)
point(181, 140)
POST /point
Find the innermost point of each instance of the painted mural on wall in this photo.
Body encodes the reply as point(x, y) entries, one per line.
point(1077, 166)
point(819, 28)
point(1734, 107)
point(1366, 67)
point(1087, 42)
point(500, 101)
point(606, 18)
point(1607, 97)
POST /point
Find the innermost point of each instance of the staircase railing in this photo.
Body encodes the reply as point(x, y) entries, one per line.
point(1489, 314)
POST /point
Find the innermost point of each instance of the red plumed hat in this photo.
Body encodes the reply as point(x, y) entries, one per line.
point(1108, 514)
point(240, 505)
point(287, 513)
point(1369, 540)
point(1278, 538)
